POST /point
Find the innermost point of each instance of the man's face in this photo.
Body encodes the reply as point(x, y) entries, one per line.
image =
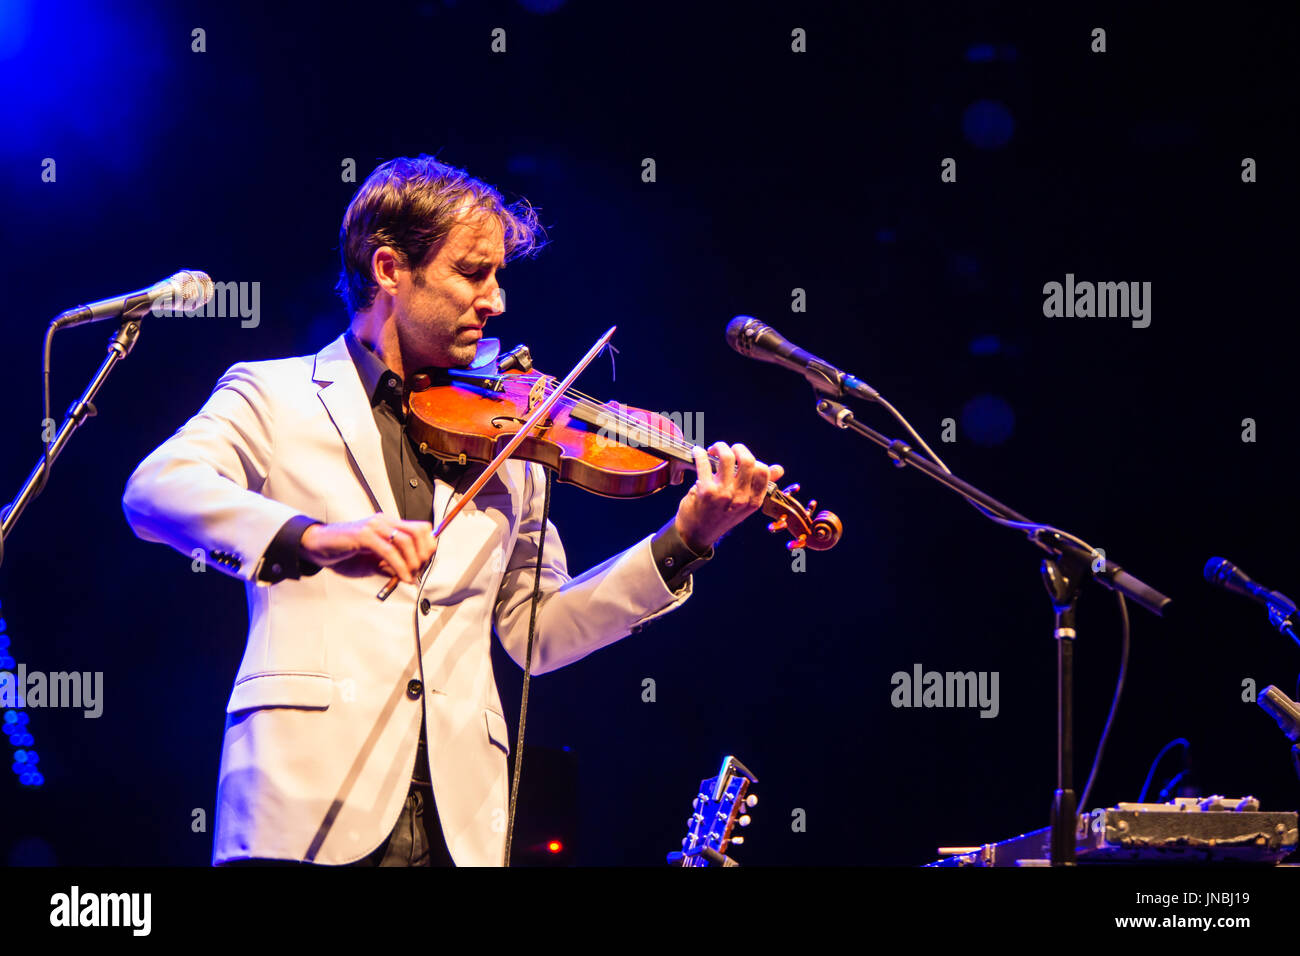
point(441, 307)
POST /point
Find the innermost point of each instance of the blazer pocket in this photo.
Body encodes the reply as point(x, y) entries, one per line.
point(497, 731)
point(303, 690)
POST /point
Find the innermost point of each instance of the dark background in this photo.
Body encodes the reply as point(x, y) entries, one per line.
point(775, 171)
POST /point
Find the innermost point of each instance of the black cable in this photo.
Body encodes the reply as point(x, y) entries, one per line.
point(1177, 741)
point(528, 668)
point(1114, 704)
point(1167, 791)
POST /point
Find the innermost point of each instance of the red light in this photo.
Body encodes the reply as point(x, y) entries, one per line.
point(555, 846)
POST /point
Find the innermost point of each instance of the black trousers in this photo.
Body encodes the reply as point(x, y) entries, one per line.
point(416, 839)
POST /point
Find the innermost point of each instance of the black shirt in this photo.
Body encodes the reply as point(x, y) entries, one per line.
point(411, 475)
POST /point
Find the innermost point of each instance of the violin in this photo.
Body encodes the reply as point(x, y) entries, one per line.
point(605, 448)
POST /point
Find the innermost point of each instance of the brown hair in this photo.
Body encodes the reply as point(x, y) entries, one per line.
point(411, 205)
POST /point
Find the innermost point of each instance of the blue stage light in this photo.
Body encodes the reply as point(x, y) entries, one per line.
point(987, 124)
point(985, 345)
point(542, 6)
point(987, 53)
point(988, 420)
point(15, 25)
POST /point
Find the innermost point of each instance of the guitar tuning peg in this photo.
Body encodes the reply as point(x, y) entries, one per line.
point(737, 840)
point(751, 800)
point(744, 820)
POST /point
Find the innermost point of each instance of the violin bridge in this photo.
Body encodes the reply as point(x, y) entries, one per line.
point(537, 394)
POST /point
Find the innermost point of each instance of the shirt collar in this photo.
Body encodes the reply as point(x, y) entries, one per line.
point(381, 383)
point(374, 373)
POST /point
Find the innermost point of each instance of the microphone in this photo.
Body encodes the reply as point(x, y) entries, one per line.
point(190, 289)
point(1281, 609)
point(1223, 573)
point(753, 339)
point(1282, 709)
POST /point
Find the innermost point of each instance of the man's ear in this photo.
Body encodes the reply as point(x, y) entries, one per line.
point(384, 263)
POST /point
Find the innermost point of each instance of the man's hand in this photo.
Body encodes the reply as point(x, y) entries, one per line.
point(400, 547)
point(718, 502)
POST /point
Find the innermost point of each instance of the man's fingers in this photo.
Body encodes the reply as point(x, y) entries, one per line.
point(745, 463)
point(726, 467)
point(703, 467)
point(405, 543)
point(385, 549)
point(421, 533)
point(758, 481)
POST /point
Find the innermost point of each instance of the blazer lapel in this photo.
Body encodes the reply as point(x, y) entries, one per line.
point(349, 408)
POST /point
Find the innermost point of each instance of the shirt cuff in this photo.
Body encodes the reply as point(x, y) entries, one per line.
point(674, 558)
point(282, 560)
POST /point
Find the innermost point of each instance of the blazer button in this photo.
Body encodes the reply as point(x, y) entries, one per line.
point(414, 689)
point(425, 605)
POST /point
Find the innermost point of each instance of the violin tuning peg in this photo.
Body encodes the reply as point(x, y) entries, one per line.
point(812, 505)
point(777, 525)
point(798, 542)
point(790, 489)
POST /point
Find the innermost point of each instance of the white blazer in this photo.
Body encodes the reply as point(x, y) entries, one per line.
point(323, 721)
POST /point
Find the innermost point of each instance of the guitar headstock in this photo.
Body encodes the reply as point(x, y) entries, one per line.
point(817, 532)
point(721, 804)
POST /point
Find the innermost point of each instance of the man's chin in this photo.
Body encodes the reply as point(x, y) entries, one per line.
point(462, 356)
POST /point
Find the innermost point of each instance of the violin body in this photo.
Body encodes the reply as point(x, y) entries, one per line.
point(605, 448)
point(476, 416)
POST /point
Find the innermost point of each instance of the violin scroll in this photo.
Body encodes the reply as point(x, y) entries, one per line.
point(818, 532)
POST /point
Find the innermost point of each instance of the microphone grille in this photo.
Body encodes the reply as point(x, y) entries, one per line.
point(741, 332)
point(1216, 570)
point(192, 287)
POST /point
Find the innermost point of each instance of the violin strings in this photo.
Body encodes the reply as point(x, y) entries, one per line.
point(665, 439)
point(596, 406)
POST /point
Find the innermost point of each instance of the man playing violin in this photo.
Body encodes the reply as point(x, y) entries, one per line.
point(370, 733)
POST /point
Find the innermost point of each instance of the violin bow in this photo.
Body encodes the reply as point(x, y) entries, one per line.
point(538, 415)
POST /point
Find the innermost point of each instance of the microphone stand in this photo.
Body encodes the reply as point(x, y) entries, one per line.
point(1064, 571)
point(119, 347)
point(1285, 621)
